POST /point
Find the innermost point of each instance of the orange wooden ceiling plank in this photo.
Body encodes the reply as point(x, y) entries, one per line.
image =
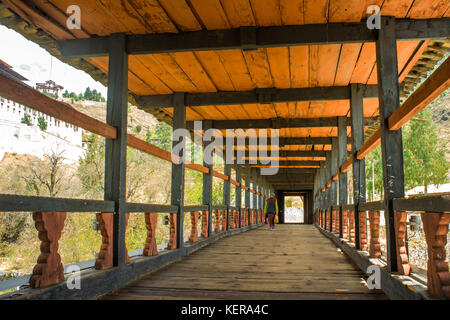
point(153, 15)
point(171, 66)
point(396, 8)
point(181, 14)
point(301, 109)
point(214, 67)
point(259, 68)
point(190, 65)
point(315, 11)
point(279, 67)
point(365, 64)
point(328, 62)
point(370, 107)
point(142, 71)
point(428, 9)
point(299, 66)
point(352, 11)
point(292, 12)
point(211, 14)
point(239, 13)
point(405, 49)
point(347, 61)
point(235, 65)
point(93, 18)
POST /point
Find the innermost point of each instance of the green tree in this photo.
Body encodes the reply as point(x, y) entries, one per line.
point(26, 119)
point(163, 134)
point(424, 154)
point(42, 123)
point(88, 94)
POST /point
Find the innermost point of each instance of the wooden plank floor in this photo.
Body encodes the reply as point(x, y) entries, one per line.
point(291, 262)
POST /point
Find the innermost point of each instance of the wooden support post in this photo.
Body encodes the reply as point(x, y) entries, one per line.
point(254, 202)
point(391, 141)
point(227, 188)
point(359, 168)
point(238, 194)
point(247, 193)
point(342, 157)
point(328, 191)
point(207, 183)
point(178, 169)
point(116, 149)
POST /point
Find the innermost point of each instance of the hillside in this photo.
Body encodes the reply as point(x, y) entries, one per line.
point(136, 117)
point(441, 117)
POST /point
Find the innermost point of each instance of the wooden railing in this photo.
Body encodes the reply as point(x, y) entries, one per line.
point(435, 216)
point(49, 214)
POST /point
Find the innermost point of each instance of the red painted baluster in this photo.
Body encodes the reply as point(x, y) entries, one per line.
point(351, 222)
point(400, 235)
point(105, 256)
point(205, 219)
point(150, 247)
point(172, 245)
point(49, 268)
point(363, 231)
point(194, 224)
point(224, 220)
point(375, 246)
point(217, 221)
point(345, 233)
point(435, 226)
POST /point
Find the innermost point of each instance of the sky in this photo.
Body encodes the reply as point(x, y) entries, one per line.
point(34, 63)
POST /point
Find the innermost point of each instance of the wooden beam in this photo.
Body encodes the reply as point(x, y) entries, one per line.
point(116, 149)
point(178, 169)
point(253, 37)
point(391, 141)
point(257, 96)
point(369, 145)
point(27, 96)
point(438, 82)
point(279, 123)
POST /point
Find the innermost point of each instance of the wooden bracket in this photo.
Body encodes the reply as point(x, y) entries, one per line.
point(194, 223)
point(172, 245)
point(374, 223)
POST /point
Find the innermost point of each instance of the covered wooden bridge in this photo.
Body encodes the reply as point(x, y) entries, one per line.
point(329, 85)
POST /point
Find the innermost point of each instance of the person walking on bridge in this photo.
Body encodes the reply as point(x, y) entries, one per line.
point(271, 210)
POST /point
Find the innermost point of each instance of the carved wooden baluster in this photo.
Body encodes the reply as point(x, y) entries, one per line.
point(150, 247)
point(345, 233)
point(224, 220)
point(194, 223)
point(333, 220)
point(351, 227)
point(400, 235)
point(375, 246)
point(363, 231)
point(329, 219)
point(217, 221)
point(172, 245)
point(435, 226)
point(105, 225)
point(205, 218)
point(338, 222)
point(49, 268)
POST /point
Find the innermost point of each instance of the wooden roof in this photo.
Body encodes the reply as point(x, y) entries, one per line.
point(239, 70)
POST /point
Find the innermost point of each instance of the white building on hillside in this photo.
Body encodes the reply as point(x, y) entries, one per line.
point(20, 138)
